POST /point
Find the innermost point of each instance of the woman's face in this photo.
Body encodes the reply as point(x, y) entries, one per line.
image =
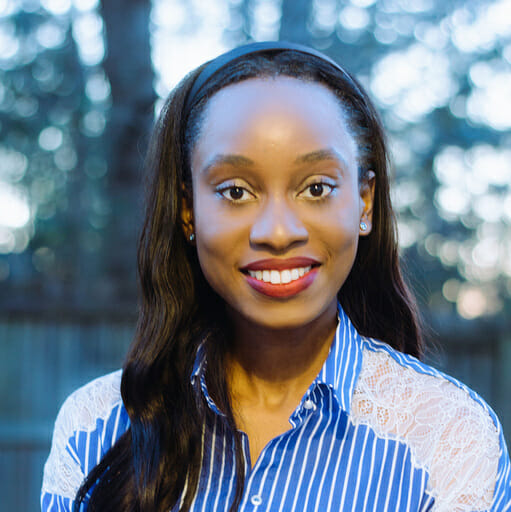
point(277, 202)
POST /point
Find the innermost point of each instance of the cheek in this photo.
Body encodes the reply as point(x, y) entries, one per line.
point(217, 226)
point(339, 230)
point(342, 238)
point(212, 257)
point(219, 236)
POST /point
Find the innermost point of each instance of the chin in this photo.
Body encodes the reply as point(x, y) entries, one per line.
point(280, 314)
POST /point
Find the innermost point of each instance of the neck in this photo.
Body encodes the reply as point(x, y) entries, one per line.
point(265, 362)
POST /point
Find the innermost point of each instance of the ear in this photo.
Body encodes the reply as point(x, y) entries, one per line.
point(187, 223)
point(367, 186)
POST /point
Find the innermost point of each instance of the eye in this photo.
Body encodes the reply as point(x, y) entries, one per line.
point(235, 193)
point(317, 190)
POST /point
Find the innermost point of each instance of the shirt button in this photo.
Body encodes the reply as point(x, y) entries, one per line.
point(256, 500)
point(309, 404)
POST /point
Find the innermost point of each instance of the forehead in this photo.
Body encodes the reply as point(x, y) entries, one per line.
point(251, 95)
point(272, 112)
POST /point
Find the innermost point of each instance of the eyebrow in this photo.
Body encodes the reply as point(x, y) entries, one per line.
point(234, 160)
point(320, 155)
point(242, 161)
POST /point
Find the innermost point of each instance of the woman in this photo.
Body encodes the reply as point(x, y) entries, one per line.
point(269, 272)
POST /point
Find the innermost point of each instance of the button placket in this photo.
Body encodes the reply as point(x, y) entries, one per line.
point(309, 405)
point(256, 500)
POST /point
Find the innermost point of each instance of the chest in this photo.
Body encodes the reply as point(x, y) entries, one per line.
point(322, 463)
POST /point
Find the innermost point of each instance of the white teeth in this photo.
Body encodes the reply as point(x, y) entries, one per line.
point(276, 277)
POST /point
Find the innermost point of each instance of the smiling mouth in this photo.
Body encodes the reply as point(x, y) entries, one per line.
point(279, 276)
point(281, 283)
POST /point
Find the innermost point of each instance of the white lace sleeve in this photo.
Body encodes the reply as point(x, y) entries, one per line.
point(450, 434)
point(464, 463)
point(64, 471)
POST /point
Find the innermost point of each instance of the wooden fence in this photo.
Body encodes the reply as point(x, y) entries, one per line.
point(42, 361)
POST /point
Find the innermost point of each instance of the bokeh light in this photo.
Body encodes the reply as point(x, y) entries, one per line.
point(50, 138)
point(93, 123)
point(97, 87)
point(9, 43)
point(266, 19)
point(489, 102)
point(482, 31)
point(324, 16)
point(56, 7)
point(88, 34)
point(51, 34)
point(14, 206)
point(85, 5)
point(413, 82)
point(354, 18)
point(184, 35)
point(13, 165)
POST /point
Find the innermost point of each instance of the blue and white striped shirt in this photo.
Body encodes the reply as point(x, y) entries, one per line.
point(377, 430)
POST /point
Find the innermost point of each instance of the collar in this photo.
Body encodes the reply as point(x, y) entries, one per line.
point(340, 371)
point(342, 367)
point(199, 375)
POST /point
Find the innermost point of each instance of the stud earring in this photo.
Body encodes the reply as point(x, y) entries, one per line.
point(363, 225)
point(191, 237)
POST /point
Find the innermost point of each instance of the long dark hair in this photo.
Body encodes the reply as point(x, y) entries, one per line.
point(156, 464)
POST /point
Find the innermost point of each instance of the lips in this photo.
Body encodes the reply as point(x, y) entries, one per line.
point(281, 277)
point(281, 264)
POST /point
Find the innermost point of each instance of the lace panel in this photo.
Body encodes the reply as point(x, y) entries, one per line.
point(63, 474)
point(450, 434)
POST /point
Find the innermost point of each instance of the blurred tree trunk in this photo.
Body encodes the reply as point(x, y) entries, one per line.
point(129, 70)
point(294, 21)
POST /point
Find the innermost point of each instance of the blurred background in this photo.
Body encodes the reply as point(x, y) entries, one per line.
point(80, 83)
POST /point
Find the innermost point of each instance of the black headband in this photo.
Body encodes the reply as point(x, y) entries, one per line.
point(213, 66)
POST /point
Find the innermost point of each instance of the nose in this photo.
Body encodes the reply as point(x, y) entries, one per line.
point(278, 227)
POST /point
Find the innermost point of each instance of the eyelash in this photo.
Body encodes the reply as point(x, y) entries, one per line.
point(224, 189)
point(330, 186)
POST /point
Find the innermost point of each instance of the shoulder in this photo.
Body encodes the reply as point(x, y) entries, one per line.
point(95, 400)
point(89, 422)
point(451, 431)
